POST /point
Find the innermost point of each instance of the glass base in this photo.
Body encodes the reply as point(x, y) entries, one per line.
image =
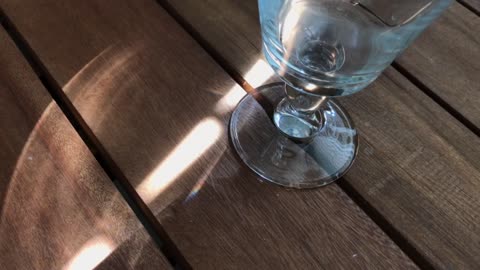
point(280, 159)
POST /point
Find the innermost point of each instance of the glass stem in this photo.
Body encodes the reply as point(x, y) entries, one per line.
point(299, 115)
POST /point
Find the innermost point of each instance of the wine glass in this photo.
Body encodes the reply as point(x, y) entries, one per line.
point(292, 133)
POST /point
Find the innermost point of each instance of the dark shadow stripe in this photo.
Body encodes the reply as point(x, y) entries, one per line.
point(416, 256)
point(469, 7)
point(447, 107)
point(141, 210)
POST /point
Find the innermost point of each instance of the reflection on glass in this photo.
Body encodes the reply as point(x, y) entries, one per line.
point(321, 49)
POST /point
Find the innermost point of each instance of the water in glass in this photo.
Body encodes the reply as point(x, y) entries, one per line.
point(335, 47)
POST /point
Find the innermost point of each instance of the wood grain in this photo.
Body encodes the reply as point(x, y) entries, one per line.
point(446, 58)
point(418, 167)
point(156, 101)
point(58, 209)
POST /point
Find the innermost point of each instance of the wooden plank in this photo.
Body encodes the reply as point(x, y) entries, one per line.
point(58, 209)
point(446, 58)
point(157, 102)
point(417, 166)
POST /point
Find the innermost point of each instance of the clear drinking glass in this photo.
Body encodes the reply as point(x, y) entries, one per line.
point(291, 133)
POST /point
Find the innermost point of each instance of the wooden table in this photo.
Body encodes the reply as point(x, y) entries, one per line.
point(115, 154)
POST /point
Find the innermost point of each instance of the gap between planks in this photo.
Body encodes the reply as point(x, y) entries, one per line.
point(437, 99)
point(469, 7)
point(128, 192)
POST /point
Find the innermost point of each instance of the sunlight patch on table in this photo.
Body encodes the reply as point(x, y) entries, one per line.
point(192, 147)
point(259, 73)
point(91, 254)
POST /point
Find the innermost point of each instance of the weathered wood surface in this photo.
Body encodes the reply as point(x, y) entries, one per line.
point(157, 102)
point(58, 210)
point(417, 166)
point(446, 59)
